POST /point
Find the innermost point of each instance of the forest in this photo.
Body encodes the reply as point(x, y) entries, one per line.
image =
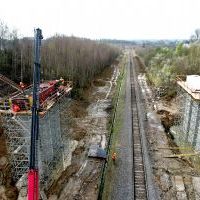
point(164, 64)
point(74, 59)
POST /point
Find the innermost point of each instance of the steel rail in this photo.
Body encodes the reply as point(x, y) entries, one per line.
point(144, 187)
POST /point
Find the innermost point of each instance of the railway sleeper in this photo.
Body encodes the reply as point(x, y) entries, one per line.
point(138, 148)
point(140, 195)
point(138, 152)
point(138, 164)
point(138, 160)
point(139, 183)
point(137, 145)
point(143, 191)
point(139, 177)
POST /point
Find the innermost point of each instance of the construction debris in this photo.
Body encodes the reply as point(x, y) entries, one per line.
point(181, 155)
point(97, 152)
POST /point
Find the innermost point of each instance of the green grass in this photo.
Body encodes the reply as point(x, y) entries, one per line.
point(117, 125)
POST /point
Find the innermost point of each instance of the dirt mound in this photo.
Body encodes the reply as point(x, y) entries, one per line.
point(3, 150)
point(7, 188)
point(78, 151)
point(78, 133)
point(168, 119)
point(99, 83)
point(11, 193)
point(78, 109)
point(163, 112)
point(57, 186)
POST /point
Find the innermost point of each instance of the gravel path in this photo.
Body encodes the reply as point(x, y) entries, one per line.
point(123, 181)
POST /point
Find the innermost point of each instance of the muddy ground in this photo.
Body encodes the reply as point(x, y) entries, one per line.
point(175, 176)
point(84, 123)
point(88, 126)
point(87, 120)
point(7, 187)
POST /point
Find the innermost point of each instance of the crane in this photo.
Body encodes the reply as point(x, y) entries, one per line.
point(33, 173)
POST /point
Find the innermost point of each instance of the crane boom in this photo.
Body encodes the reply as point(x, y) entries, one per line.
point(33, 174)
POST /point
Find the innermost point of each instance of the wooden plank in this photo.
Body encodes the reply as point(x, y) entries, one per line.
point(182, 155)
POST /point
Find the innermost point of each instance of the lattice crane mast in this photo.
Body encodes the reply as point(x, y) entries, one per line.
point(33, 173)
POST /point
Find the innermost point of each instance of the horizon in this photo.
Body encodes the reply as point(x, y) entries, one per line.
point(112, 39)
point(121, 20)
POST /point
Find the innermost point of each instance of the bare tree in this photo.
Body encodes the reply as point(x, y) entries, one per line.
point(70, 57)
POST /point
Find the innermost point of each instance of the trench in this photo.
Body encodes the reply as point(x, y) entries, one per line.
point(80, 180)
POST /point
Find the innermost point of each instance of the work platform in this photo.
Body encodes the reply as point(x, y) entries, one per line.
point(193, 93)
point(17, 129)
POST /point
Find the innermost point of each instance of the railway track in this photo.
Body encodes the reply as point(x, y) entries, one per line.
point(139, 179)
point(143, 181)
point(133, 177)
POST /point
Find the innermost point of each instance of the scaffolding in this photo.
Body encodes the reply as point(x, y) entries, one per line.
point(17, 129)
point(186, 129)
point(17, 132)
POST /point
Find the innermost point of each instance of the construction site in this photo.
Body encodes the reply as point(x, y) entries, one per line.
point(41, 158)
point(54, 142)
point(17, 120)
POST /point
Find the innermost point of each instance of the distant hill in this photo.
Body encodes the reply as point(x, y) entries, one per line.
point(144, 43)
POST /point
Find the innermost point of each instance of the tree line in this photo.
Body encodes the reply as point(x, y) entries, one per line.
point(164, 64)
point(75, 59)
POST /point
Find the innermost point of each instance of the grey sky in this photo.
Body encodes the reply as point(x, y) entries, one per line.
point(119, 19)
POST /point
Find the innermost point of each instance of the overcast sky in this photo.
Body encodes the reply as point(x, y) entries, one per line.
point(95, 19)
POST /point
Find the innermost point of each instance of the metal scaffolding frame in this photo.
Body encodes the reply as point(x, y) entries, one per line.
point(17, 129)
point(50, 144)
point(17, 132)
point(187, 129)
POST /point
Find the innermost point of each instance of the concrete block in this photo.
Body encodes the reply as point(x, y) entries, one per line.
point(196, 186)
point(165, 182)
point(181, 196)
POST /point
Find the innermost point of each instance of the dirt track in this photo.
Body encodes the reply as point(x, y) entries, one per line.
point(175, 177)
point(88, 125)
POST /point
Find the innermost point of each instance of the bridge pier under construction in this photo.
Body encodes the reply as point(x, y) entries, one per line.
point(187, 129)
point(17, 130)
